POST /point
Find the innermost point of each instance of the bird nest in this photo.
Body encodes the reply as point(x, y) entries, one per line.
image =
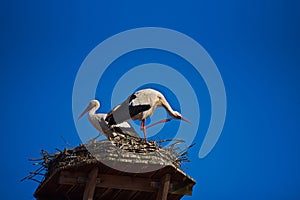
point(118, 148)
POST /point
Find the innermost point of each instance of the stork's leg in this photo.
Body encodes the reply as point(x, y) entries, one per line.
point(161, 121)
point(143, 128)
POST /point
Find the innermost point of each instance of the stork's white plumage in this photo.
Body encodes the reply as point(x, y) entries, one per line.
point(97, 119)
point(139, 106)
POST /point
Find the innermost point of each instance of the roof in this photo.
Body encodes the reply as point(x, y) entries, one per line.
point(73, 185)
point(68, 173)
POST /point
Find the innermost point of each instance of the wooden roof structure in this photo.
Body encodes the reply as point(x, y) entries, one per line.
point(78, 174)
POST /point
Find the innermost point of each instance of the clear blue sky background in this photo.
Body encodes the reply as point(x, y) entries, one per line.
point(255, 45)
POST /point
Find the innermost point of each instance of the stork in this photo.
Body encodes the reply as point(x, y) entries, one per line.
point(139, 106)
point(97, 119)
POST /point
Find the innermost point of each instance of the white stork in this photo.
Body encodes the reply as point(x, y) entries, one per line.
point(139, 106)
point(98, 119)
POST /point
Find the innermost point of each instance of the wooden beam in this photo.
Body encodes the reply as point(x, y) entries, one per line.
point(108, 190)
point(131, 195)
point(127, 182)
point(112, 181)
point(90, 185)
point(164, 189)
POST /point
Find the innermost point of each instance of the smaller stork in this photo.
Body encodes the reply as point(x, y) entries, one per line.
point(98, 119)
point(139, 106)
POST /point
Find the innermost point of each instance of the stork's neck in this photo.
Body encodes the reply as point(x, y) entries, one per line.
point(93, 110)
point(167, 106)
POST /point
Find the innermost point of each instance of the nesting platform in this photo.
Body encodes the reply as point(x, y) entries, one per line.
point(78, 174)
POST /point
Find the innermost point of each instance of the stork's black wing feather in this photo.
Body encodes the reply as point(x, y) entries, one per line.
point(133, 96)
point(135, 110)
point(119, 111)
point(128, 109)
point(110, 119)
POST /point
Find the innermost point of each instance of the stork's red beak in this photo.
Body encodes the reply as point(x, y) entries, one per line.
point(186, 120)
point(85, 110)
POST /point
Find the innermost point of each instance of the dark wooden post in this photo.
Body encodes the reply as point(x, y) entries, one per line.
point(164, 188)
point(90, 185)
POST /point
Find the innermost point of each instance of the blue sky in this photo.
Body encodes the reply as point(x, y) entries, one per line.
point(255, 45)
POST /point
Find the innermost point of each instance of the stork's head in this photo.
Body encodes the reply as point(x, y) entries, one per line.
point(177, 115)
point(93, 104)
